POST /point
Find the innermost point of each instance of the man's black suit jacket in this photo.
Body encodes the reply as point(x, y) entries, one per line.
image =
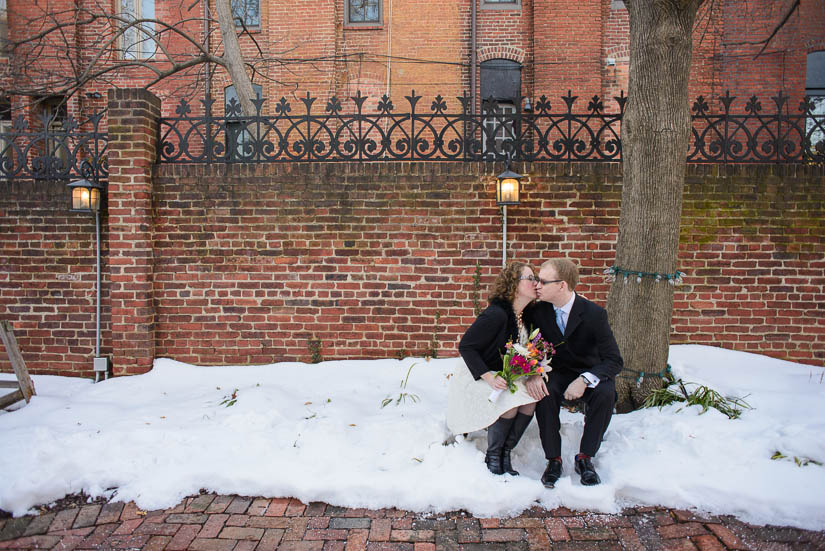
point(588, 344)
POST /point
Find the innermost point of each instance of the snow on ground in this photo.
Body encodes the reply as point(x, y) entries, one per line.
point(320, 433)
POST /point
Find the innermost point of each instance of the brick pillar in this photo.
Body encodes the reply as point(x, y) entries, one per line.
point(132, 125)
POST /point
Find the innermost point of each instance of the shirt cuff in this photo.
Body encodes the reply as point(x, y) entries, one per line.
point(591, 379)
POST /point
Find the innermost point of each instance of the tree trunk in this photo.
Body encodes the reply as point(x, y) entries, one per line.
point(655, 133)
point(234, 59)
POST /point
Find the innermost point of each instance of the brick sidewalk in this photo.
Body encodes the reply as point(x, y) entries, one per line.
point(216, 523)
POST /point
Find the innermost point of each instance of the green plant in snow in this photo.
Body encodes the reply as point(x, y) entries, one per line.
point(800, 461)
point(402, 397)
point(231, 399)
point(699, 396)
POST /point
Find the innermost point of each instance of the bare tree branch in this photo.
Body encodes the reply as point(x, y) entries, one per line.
point(767, 41)
point(65, 50)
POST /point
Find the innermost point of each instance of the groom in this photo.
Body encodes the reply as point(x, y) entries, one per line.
point(586, 363)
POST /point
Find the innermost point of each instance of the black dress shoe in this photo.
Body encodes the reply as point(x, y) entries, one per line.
point(589, 475)
point(552, 473)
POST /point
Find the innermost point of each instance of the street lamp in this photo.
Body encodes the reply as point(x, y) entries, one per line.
point(508, 192)
point(86, 197)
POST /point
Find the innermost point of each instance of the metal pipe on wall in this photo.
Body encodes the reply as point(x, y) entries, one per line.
point(473, 55)
point(504, 237)
point(97, 312)
point(206, 44)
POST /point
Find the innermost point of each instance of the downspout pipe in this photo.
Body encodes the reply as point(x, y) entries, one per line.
point(473, 54)
point(206, 44)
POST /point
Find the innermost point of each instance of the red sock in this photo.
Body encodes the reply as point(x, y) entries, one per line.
point(582, 456)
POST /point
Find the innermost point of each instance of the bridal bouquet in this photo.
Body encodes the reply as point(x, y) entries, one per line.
point(524, 360)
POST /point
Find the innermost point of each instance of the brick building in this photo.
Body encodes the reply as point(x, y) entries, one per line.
point(333, 48)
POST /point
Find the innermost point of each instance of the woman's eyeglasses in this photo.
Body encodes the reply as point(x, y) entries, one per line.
point(535, 279)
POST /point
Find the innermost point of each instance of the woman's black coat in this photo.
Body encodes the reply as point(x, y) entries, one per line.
point(482, 345)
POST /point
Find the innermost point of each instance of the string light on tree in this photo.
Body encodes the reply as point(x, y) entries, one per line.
point(614, 272)
point(640, 375)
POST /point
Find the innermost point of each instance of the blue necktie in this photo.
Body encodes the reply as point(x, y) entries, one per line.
point(560, 319)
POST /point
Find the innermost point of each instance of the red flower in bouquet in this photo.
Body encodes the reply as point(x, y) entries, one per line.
point(524, 360)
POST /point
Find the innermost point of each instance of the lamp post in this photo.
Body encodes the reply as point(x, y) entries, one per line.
point(86, 197)
point(508, 192)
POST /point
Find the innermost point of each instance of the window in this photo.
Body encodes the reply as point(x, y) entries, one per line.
point(236, 130)
point(359, 13)
point(6, 150)
point(500, 82)
point(815, 90)
point(5, 115)
point(4, 29)
point(501, 4)
point(498, 127)
point(137, 40)
point(248, 12)
point(53, 110)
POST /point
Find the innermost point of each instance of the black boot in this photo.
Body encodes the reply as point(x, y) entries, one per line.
point(496, 435)
point(520, 424)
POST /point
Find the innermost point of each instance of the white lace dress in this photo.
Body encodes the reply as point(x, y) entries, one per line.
point(468, 406)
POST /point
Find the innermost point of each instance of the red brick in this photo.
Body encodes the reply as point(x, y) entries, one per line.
point(380, 530)
point(557, 529)
point(682, 530)
point(277, 507)
point(708, 543)
point(128, 526)
point(184, 536)
point(357, 539)
point(728, 538)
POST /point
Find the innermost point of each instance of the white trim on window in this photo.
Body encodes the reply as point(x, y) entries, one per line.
point(373, 13)
point(249, 11)
point(136, 41)
point(500, 4)
point(500, 125)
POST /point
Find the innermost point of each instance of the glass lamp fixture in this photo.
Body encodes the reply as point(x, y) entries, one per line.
point(85, 196)
point(508, 188)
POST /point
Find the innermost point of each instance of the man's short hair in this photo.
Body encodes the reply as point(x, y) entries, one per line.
point(565, 269)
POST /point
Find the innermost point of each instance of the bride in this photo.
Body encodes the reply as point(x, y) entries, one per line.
point(481, 348)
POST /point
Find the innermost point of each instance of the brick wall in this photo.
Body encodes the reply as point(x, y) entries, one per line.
point(47, 279)
point(753, 244)
point(251, 262)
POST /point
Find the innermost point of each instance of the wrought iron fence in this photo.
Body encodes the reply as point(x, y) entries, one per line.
point(756, 136)
point(54, 148)
point(348, 132)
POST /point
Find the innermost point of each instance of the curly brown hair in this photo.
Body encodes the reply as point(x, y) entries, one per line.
point(504, 287)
